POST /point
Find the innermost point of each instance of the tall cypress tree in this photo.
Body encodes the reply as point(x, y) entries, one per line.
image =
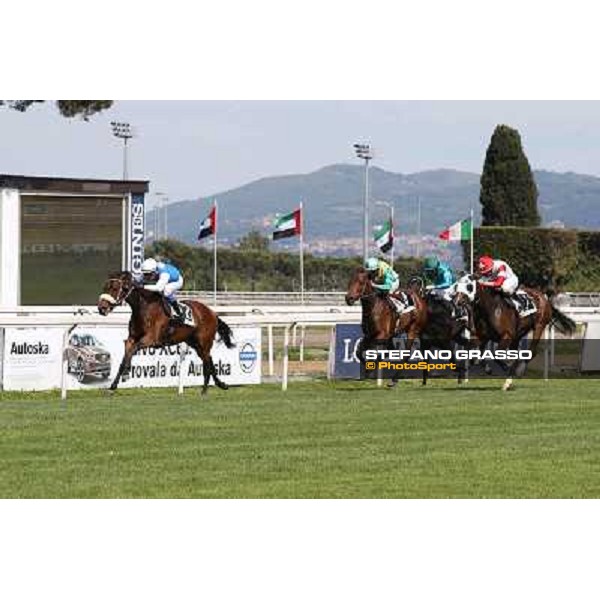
point(508, 192)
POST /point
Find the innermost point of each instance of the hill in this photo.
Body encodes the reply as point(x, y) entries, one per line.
point(333, 198)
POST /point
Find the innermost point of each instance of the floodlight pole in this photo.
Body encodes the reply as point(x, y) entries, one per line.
point(123, 131)
point(364, 151)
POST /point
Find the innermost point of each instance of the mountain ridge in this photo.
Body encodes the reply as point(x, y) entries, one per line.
point(333, 197)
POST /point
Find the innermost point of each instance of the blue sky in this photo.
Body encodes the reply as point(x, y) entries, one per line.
point(191, 149)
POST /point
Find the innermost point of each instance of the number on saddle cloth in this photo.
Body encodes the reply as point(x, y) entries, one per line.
point(524, 304)
point(401, 302)
point(187, 314)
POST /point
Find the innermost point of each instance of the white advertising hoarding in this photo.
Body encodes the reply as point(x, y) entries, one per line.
point(33, 360)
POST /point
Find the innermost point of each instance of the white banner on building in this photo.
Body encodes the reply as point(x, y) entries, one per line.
point(33, 360)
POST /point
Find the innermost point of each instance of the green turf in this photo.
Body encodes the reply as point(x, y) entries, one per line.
point(318, 440)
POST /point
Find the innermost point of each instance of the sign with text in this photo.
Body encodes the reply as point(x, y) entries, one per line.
point(33, 360)
point(345, 341)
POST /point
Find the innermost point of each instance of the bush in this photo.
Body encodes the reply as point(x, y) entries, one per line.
point(550, 259)
point(263, 270)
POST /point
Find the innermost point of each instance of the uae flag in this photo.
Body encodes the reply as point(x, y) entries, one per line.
point(384, 237)
point(209, 225)
point(288, 225)
point(458, 232)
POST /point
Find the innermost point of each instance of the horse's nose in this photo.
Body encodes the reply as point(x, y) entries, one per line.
point(349, 300)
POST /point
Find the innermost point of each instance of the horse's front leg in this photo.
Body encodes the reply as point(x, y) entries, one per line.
point(131, 347)
point(507, 343)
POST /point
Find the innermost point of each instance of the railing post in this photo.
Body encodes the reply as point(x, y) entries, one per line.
point(270, 344)
point(65, 362)
point(302, 335)
point(286, 350)
point(182, 349)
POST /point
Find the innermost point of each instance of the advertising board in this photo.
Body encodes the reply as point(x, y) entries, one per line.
point(33, 359)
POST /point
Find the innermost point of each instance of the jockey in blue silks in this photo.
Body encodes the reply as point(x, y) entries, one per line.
point(442, 278)
point(168, 281)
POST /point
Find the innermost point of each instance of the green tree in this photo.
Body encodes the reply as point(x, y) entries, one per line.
point(508, 192)
point(67, 108)
point(254, 240)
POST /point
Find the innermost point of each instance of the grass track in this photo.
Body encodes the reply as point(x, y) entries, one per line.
point(319, 440)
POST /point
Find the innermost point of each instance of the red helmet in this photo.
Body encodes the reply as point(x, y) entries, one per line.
point(486, 264)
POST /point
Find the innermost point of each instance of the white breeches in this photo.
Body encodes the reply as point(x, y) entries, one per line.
point(443, 293)
point(172, 287)
point(510, 285)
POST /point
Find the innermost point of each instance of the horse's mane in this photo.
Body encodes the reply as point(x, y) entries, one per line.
point(119, 274)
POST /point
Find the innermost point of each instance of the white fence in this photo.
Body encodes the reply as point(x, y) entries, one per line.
point(286, 317)
point(264, 298)
point(579, 299)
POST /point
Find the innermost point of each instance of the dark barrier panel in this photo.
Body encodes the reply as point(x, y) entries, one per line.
point(345, 341)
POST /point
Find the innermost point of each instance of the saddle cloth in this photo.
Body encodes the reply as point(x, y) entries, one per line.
point(524, 304)
point(187, 312)
point(402, 303)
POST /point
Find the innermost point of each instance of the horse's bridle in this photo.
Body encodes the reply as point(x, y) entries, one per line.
point(362, 291)
point(118, 300)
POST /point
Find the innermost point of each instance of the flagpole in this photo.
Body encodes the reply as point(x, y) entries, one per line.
point(392, 232)
point(471, 236)
point(215, 257)
point(301, 253)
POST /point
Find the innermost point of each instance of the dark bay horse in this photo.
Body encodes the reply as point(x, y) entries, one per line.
point(380, 321)
point(151, 326)
point(496, 320)
point(443, 331)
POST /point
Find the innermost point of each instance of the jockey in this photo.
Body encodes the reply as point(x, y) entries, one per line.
point(168, 282)
point(384, 278)
point(442, 277)
point(497, 274)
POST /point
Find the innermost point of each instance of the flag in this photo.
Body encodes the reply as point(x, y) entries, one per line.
point(209, 225)
point(458, 232)
point(288, 225)
point(384, 236)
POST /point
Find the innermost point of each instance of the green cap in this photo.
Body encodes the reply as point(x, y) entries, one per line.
point(431, 263)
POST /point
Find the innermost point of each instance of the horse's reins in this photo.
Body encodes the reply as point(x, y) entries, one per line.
point(362, 291)
point(118, 301)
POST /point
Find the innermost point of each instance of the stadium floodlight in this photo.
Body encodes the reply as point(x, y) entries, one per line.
point(122, 131)
point(364, 152)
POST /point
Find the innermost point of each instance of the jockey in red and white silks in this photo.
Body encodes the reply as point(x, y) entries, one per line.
point(497, 274)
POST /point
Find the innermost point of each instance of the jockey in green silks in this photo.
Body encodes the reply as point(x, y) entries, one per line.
point(382, 275)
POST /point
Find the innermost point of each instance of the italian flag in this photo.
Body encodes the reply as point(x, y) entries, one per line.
point(288, 225)
point(384, 236)
point(458, 232)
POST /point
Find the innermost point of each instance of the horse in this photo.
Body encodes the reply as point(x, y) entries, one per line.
point(380, 320)
point(151, 325)
point(496, 319)
point(443, 330)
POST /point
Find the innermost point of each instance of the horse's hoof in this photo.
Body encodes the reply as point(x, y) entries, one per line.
point(507, 385)
point(222, 386)
point(203, 391)
point(392, 383)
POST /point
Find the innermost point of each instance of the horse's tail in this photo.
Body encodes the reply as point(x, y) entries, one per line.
point(225, 332)
point(563, 323)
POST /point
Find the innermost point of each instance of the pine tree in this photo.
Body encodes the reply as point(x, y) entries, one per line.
point(67, 108)
point(508, 192)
